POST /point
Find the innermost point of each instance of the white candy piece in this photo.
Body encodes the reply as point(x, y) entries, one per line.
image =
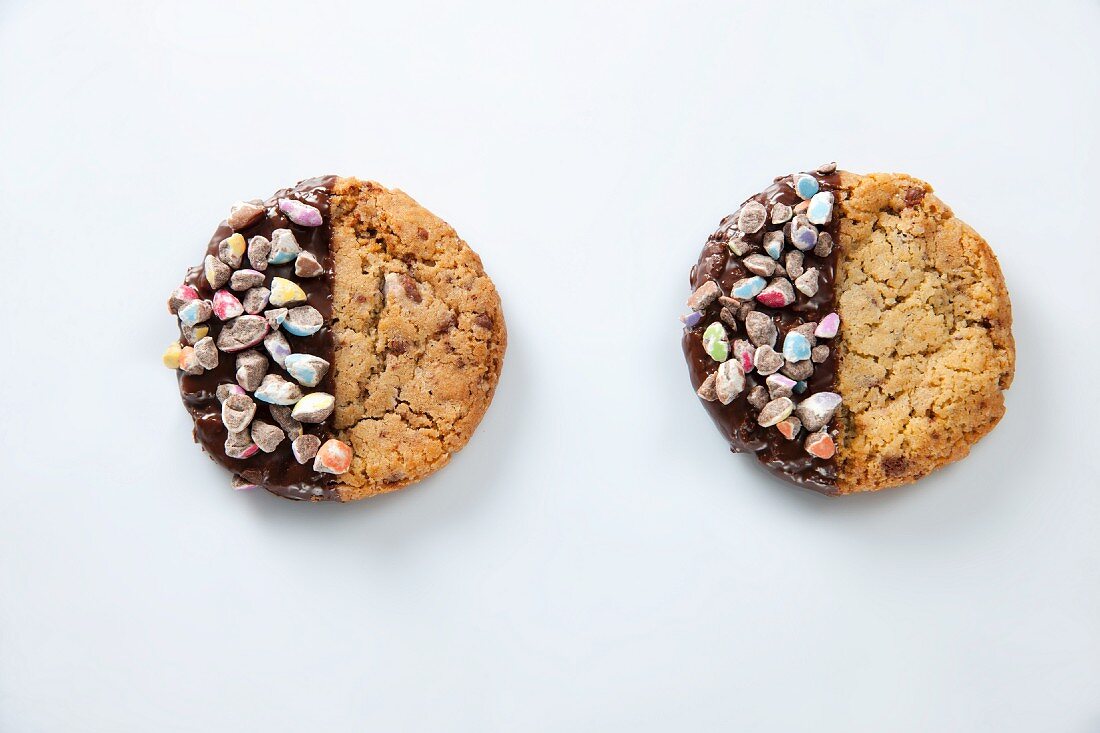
point(277, 391)
point(314, 408)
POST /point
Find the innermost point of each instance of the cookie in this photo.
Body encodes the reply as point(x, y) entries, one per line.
point(849, 331)
point(337, 342)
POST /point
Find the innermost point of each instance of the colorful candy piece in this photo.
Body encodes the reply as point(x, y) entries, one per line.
point(716, 342)
point(820, 210)
point(226, 305)
point(285, 292)
point(171, 356)
point(240, 484)
point(730, 381)
point(821, 445)
point(225, 390)
point(255, 300)
point(245, 279)
point(818, 409)
point(796, 347)
point(805, 185)
point(751, 217)
point(277, 391)
point(284, 248)
point(828, 326)
point(276, 345)
point(704, 295)
point(800, 386)
point(266, 436)
point(307, 265)
point(308, 370)
point(743, 351)
point(773, 244)
point(305, 320)
point(275, 317)
point(803, 233)
point(775, 411)
point(314, 407)
point(206, 353)
point(251, 369)
point(691, 320)
point(305, 447)
point(195, 311)
point(789, 427)
point(237, 412)
point(240, 445)
point(241, 333)
point(244, 214)
point(778, 294)
point(215, 271)
point(333, 457)
point(748, 287)
point(231, 250)
point(193, 334)
point(738, 244)
point(189, 361)
point(779, 386)
point(180, 297)
point(759, 264)
point(301, 214)
point(819, 354)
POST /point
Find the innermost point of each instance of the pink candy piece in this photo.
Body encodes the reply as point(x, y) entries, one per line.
point(821, 445)
point(299, 213)
point(181, 295)
point(777, 295)
point(828, 327)
point(746, 361)
point(333, 457)
point(226, 305)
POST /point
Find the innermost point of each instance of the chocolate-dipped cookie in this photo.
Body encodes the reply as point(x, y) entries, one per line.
point(849, 331)
point(338, 341)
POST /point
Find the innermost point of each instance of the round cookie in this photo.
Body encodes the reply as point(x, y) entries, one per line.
point(863, 333)
point(338, 342)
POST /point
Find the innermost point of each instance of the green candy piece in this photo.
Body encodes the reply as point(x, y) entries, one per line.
point(715, 342)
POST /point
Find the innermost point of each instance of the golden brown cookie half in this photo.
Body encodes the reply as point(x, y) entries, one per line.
point(338, 341)
point(849, 331)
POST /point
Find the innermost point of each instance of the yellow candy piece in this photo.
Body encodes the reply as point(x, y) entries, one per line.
point(171, 356)
point(236, 245)
point(200, 332)
point(285, 292)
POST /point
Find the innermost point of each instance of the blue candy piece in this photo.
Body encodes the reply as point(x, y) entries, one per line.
point(821, 208)
point(691, 320)
point(194, 312)
point(805, 185)
point(800, 386)
point(748, 288)
point(796, 347)
point(296, 328)
point(307, 370)
point(773, 244)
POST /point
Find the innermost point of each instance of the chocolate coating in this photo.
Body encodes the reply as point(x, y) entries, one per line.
point(737, 420)
point(278, 472)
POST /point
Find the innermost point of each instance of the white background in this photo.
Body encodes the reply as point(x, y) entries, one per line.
point(594, 560)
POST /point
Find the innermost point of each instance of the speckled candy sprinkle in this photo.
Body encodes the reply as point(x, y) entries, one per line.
point(226, 305)
point(251, 369)
point(743, 351)
point(259, 249)
point(308, 370)
point(244, 279)
point(284, 247)
point(796, 347)
point(277, 391)
point(820, 210)
point(716, 342)
point(307, 265)
point(819, 354)
point(778, 294)
point(195, 311)
point(193, 334)
point(215, 271)
point(828, 326)
point(314, 407)
point(730, 381)
point(795, 260)
point(821, 445)
point(305, 447)
point(180, 297)
point(748, 287)
point(706, 390)
point(285, 292)
point(758, 397)
point(240, 484)
point(824, 246)
point(231, 250)
point(704, 295)
point(776, 410)
point(225, 390)
point(799, 370)
point(281, 414)
point(237, 412)
point(818, 409)
point(752, 216)
point(277, 346)
point(805, 185)
point(333, 457)
point(241, 333)
point(304, 320)
point(244, 214)
point(299, 213)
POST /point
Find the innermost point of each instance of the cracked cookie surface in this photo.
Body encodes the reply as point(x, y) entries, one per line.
point(420, 338)
point(926, 345)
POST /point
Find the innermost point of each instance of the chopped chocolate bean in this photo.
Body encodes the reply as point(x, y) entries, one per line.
point(913, 196)
point(259, 249)
point(758, 397)
point(241, 484)
point(307, 265)
point(728, 317)
point(244, 214)
point(206, 353)
point(703, 296)
point(759, 264)
point(215, 271)
point(819, 354)
point(798, 370)
point(767, 360)
point(305, 447)
point(281, 415)
point(706, 390)
point(745, 309)
point(824, 246)
point(241, 333)
point(760, 329)
point(251, 369)
point(795, 259)
point(255, 300)
point(730, 302)
point(730, 381)
point(826, 168)
point(237, 411)
point(245, 279)
point(266, 436)
point(776, 410)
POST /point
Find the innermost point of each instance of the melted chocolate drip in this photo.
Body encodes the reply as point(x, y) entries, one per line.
point(737, 420)
point(278, 472)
